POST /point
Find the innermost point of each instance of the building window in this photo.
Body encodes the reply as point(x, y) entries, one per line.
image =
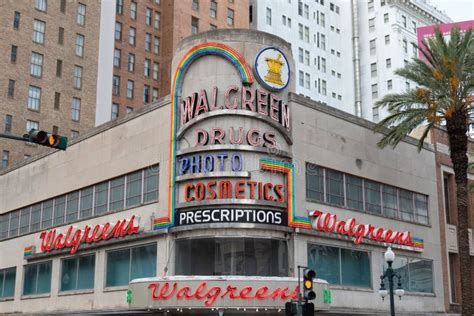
point(148, 16)
point(31, 125)
point(133, 10)
point(72, 207)
point(38, 31)
point(77, 273)
point(40, 5)
point(34, 98)
point(115, 111)
point(413, 24)
point(156, 45)
point(4, 221)
point(231, 256)
point(134, 189)
point(131, 62)
point(269, 16)
point(79, 45)
point(146, 68)
point(118, 31)
point(25, 220)
point(14, 223)
point(77, 77)
point(59, 68)
point(57, 98)
point(117, 57)
point(37, 278)
point(11, 88)
point(146, 94)
point(213, 9)
point(230, 17)
point(306, 57)
point(373, 70)
point(404, 21)
point(16, 20)
point(372, 25)
point(372, 47)
point(340, 266)
point(154, 96)
point(131, 36)
point(375, 93)
point(307, 80)
point(306, 34)
point(306, 11)
point(156, 68)
point(301, 78)
point(389, 84)
point(405, 46)
point(323, 87)
point(195, 5)
point(387, 39)
point(61, 36)
point(36, 67)
point(300, 55)
point(7, 283)
point(35, 217)
point(385, 18)
point(8, 123)
point(76, 109)
point(157, 20)
point(81, 14)
point(13, 53)
point(371, 5)
point(47, 216)
point(388, 63)
point(314, 182)
point(119, 6)
point(414, 50)
point(354, 193)
point(5, 158)
point(62, 6)
point(194, 25)
point(323, 42)
point(130, 89)
point(417, 274)
point(334, 186)
point(147, 42)
point(132, 263)
point(116, 85)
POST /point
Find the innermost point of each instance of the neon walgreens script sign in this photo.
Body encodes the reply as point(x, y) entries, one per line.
point(210, 295)
point(74, 237)
point(327, 222)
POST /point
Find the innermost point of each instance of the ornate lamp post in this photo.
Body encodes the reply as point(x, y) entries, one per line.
point(390, 274)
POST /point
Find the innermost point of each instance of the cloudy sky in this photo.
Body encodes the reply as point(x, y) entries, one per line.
point(458, 10)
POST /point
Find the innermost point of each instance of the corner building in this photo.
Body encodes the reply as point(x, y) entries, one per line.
point(207, 201)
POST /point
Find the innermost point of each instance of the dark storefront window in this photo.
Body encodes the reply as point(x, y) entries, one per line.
point(128, 264)
point(37, 278)
point(77, 273)
point(231, 256)
point(340, 266)
point(7, 282)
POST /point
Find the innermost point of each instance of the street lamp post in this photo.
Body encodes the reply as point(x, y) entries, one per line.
point(390, 274)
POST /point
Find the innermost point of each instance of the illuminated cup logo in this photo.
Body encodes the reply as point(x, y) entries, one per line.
point(272, 69)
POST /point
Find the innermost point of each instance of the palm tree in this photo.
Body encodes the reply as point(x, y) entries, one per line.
point(444, 94)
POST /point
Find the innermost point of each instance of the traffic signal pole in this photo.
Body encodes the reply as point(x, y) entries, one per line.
point(10, 136)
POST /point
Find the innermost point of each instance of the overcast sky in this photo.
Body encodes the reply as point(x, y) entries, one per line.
point(457, 10)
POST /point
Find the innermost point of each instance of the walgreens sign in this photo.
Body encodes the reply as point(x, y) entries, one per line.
point(329, 223)
point(74, 237)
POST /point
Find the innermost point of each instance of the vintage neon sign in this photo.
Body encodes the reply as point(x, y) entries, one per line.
point(230, 215)
point(241, 189)
point(209, 295)
point(327, 222)
point(218, 136)
point(74, 237)
point(236, 98)
point(210, 163)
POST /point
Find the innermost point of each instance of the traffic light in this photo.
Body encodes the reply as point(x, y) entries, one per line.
point(46, 139)
point(291, 308)
point(308, 276)
point(308, 309)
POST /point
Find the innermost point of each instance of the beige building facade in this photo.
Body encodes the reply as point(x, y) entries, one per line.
point(226, 184)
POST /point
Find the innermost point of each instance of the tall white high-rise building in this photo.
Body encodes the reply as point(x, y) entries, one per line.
point(346, 51)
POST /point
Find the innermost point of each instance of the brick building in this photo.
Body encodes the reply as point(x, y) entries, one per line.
point(448, 219)
point(145, 36)
point(49, 70)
